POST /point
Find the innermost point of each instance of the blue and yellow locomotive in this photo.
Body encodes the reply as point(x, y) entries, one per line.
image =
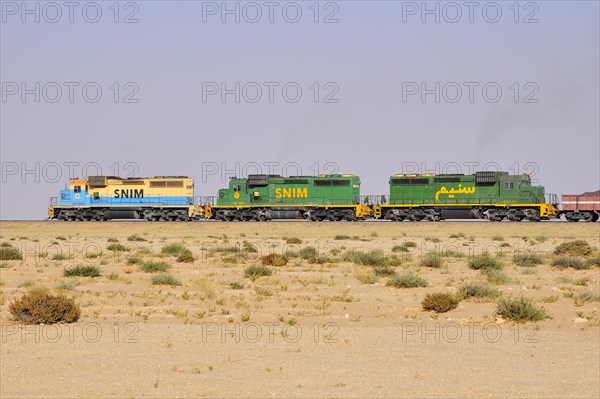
point(161, 198)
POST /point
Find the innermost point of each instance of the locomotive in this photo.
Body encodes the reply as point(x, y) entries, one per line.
point(160, 198)
point(489, 195)
point(267, 197)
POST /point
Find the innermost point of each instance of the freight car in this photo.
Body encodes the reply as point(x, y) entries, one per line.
point(267, 197)
point(584, 207)
point(164, 198)
point(487, 195)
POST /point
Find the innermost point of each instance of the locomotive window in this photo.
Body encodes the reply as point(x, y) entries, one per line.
point(236, 188)
point(509, 185)
point(176, 183)
point(410, 182)
point(77, 189)
point(154, 184)
point(340, 182)
point(320, 183)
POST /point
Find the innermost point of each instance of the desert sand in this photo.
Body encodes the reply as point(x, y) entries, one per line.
point(308, 329)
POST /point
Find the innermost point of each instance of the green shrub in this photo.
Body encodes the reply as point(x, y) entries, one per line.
point(495, 276)
point(248, 247)
point(527, 259)
point(570, 262)
point(595, 261)
point(406, 280)
point(293, 240)
point(117, 247)
point(309, 253)
point(484, 261)
point(478, 291)
point(165, 279)
point(135, 237)
point(457, 235)
point(174, 249)
point(404, 247)
point(59, 256)
point(497, 238)
point(8, 252)
point(274, 260)
point(180, 251)
point(440, 302)
point(255, 271)
point(520, 310)
point(154, 267)
point(40, 307)
point(82, 271)
point(432, 260)
point(341, 237)
point(574, 248)
point(112, 240)
point(374, 257)
point(384, 270)
point(134, 260)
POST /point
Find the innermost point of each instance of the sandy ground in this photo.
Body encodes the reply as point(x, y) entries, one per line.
point(308, 330)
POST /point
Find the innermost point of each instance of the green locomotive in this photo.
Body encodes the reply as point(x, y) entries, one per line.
point(267, 197)
point(488, 195)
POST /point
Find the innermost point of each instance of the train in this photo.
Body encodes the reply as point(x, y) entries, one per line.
point(486, 195)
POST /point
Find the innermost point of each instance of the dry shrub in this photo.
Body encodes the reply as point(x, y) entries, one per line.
point(38, 306)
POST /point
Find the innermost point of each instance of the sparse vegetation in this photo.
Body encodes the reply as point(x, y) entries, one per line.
point(520, 310)
point(274, 260)
point(341, 237)
point(527, 259)
point(478, 291)
point(82, 271)
point(236, 285)
point(38, 306)
point(484, 261)
point(404, 247)
point(574, 248)
point(293, 240)
point(154, 267)
point(440, 302)
point(165, 279)
point(135, 238)
point(407, 280)
point(575, 263)
point(365, 275)
point(8, 252)
point(117, 247)
point(496, 276)
point(255, 271)
point(433, 260)
point(180, 251)
point(374, 257)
